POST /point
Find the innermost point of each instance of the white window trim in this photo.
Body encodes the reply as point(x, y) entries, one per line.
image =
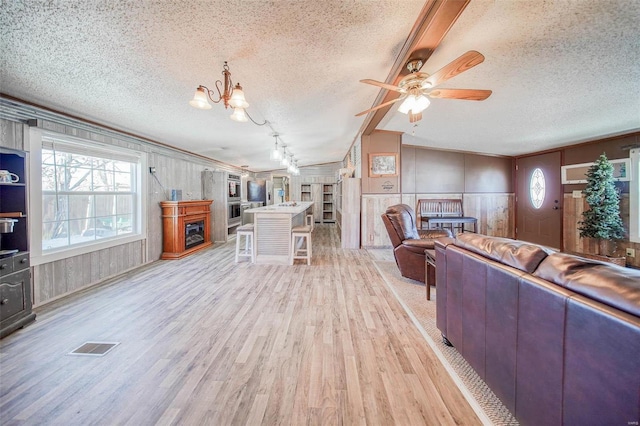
point(37, 257)
point(634, 196)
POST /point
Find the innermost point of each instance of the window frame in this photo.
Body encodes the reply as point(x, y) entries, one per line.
point(634, 196)
point(36, 194)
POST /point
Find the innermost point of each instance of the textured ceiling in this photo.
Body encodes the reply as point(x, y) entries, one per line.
point(560, 71)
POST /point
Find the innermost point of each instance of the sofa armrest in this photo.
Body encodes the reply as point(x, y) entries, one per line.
point(418, 246)
point(442, 243)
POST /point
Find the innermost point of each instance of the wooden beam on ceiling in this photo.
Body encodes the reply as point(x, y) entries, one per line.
point(433, 23)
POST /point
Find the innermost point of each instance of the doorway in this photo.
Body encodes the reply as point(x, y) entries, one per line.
point(280, 189)
point(539, 199)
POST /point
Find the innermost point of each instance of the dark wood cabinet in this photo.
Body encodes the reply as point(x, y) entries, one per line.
point(15, 276)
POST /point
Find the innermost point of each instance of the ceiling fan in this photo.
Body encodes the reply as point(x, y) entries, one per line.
point(416, 88)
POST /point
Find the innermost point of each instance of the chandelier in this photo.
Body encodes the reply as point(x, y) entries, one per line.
point(230, 95)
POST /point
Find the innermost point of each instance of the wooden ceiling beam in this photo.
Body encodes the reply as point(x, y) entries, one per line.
point(434, 22)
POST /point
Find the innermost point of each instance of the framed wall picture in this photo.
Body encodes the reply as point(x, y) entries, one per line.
point(383, 164)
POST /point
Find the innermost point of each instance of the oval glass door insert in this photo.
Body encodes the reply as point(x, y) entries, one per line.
point(537, 188)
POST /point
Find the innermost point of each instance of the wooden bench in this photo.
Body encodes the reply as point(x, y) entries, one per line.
point(440, 212)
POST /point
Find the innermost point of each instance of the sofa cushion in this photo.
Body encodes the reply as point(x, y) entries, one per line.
point(607, 283)
point(517, 254)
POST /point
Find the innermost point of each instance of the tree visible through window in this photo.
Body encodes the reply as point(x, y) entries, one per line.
point(86, 197)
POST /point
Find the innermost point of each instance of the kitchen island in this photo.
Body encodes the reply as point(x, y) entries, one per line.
point(272, 230)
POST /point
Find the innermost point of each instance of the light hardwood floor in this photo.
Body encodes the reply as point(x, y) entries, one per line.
point(206, 341)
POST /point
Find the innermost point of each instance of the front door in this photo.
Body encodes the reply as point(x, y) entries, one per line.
point(539, 200)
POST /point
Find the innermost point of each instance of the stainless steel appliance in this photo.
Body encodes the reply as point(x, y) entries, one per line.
point(233, 187)
point(234, 213)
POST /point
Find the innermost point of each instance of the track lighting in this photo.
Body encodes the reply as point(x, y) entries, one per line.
point(275, 153)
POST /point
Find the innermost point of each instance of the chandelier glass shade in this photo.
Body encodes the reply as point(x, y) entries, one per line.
point(200, 99)
point(239, 114)
point(237, 99)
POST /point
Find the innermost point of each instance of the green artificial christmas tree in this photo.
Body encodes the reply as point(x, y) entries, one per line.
point(602, 220)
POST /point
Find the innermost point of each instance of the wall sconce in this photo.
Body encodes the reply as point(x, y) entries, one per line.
point(228, 94)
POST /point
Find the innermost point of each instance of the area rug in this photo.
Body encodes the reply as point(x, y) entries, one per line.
point(411, 295)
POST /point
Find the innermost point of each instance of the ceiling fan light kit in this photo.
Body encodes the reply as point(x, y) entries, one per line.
point(416, 87)
point(414, 104)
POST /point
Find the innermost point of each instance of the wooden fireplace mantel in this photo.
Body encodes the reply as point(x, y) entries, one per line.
point(175, 216)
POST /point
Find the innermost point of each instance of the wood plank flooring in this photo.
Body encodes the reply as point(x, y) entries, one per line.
point(206, 341)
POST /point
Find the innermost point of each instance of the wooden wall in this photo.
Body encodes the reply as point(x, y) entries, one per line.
point(426, 170)
point(614, 148)
point(174, 169)
point(66, 276)
point(12, 134)
point(372, 230)
point(484, 184)
point(376, 143)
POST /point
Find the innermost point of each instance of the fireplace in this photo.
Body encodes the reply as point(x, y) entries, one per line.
point(186, 227)
point(193, 234)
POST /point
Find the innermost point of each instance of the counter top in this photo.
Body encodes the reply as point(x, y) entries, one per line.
point(283, 208)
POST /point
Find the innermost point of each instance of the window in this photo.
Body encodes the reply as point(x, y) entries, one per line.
point(89, 194)
point(537, 188)
point(634, 197)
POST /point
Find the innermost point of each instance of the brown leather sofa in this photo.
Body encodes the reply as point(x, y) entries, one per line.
point(409, 244)
point(556, 337)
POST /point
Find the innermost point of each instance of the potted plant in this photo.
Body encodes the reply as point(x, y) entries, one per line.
point(602, 220)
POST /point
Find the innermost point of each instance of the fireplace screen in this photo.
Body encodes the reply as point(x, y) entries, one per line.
point(194, 234)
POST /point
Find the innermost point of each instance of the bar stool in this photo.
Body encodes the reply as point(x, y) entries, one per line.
point(249, 242)
point(302, 232)
point(309, 221)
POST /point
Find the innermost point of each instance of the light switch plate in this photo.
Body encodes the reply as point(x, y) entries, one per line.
point(631, 252)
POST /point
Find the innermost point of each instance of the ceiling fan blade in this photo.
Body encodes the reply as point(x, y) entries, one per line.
point(383, 85)
point(460, 65)
point(466, 94)
point(380, 106)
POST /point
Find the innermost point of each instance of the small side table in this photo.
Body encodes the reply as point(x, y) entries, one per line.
point(430, 270)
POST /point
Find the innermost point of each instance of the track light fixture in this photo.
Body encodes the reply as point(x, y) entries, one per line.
point(284, 158)
point(275, 153)
point(230, 95)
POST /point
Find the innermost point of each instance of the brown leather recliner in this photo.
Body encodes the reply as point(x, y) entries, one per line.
point(409, 243)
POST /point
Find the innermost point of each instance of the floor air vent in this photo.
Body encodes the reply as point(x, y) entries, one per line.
point(94, 348)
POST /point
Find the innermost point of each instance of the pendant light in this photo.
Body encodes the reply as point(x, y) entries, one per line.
point(275, 153)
